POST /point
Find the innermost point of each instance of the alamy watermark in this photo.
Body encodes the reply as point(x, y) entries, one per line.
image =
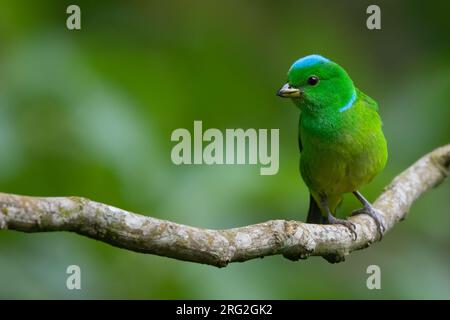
point(374, 280)
point(73, 281)
point(73, 21)
point(234, 146)
point(373, 22)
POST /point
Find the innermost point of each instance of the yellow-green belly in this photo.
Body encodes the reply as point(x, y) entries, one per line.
point(343, 165)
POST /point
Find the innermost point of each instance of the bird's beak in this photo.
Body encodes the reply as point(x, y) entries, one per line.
point(288, 92)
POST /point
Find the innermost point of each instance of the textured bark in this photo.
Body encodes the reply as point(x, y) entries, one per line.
point(294, 240)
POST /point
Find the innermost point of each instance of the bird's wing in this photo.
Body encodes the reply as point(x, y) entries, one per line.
point(367, 101)
point(300, 146)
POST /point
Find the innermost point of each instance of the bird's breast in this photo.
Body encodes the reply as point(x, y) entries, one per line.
point(338, 158)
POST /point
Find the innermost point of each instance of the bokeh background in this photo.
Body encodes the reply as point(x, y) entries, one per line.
point(90, 113)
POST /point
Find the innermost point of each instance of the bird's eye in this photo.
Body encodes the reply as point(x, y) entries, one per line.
point(313, 80)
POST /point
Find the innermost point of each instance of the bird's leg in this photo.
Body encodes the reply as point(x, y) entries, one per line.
point(333, 220)
point(369, 210)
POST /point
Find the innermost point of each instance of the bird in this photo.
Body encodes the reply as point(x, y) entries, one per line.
point(340, 137)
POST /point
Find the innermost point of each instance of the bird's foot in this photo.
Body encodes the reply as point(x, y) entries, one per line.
point(346, 223)
point(376, 216)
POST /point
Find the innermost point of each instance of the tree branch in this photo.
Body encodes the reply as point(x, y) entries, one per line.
point(294, 240)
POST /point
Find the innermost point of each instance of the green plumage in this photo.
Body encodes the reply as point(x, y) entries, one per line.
point(341, 151)
point(340, 137)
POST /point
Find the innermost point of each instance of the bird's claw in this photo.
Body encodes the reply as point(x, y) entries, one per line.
point(350, 225)
point(372, 212)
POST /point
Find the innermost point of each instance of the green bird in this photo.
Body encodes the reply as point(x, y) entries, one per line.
point(340, 137)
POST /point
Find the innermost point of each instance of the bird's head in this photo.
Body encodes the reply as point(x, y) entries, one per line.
point(317, 84)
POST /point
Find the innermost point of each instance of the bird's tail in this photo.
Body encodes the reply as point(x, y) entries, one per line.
point(314, 212)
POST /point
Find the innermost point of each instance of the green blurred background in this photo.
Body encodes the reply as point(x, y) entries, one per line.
point(90, 113)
